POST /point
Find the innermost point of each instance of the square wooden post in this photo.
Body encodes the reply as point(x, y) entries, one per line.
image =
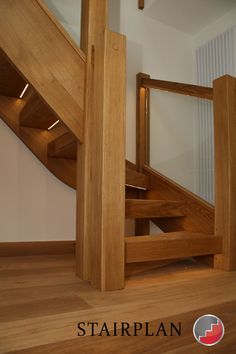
point(142, 226)
point(101, 158)
point(225, 167)
point(142, 122)
point(141, 4)
point(108, 173)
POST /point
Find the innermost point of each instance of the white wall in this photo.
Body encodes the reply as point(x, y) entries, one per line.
point(164, 53)
point(214, 29)
point(34, 205)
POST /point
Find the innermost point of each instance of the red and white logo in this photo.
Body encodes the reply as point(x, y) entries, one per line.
point(208, 330)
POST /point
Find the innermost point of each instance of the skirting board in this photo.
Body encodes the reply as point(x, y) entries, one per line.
point(13, 249)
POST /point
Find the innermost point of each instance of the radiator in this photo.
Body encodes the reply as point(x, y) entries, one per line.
point(214, 59)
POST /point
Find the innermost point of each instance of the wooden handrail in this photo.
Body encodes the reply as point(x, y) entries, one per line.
point(180, 88)
point(223, 96)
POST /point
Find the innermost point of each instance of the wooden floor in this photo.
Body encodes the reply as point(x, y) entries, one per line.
point(41, 303)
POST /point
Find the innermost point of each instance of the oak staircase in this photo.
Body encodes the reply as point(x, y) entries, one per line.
point(56, 95)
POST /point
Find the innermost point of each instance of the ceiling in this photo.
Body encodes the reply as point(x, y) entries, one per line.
point(189, 16)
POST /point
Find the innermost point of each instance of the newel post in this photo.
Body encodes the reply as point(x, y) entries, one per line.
point(225, 167)
point(101, 158)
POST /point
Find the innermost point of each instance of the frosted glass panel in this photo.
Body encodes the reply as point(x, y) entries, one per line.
point(68, 13)
point(176, 134)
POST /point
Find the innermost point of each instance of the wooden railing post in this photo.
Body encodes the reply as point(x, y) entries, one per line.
point(141, 4)
point(142, 122)
point(109, 162)
point(225, 167)
point(101, 158)
point(142, 226)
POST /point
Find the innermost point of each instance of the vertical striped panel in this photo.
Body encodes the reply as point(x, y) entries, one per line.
point(214, 59)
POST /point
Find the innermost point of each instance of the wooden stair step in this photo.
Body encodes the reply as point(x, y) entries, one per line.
point(173, 245)
point(36, 114)
point(144, 208)
point(65, 146)
point(135, 179)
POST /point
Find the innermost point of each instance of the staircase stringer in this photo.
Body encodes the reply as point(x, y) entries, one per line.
point(33, 46)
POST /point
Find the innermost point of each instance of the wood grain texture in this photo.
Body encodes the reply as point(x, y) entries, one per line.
point(143, 344)
point(46, 307)
point(225, 169)
point(36, 114)
point(200, 214)
point(65, 146)
point(37, 140)
point(179, 293)
point(94, 21)
point(136, 179)
point(143, 208)
point(170, 246)
point(183, 89)
point(41, 249)
point(61, 86)
point(144, 267)
point(14, 249)
point(101, 175)
point(11, 83)
point(109, 169)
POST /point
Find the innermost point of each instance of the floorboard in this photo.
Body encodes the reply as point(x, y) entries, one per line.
point(41, 303)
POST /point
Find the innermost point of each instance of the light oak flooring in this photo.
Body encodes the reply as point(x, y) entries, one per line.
point(41, 302)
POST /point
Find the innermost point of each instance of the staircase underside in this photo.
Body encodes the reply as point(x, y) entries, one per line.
point(34, 43)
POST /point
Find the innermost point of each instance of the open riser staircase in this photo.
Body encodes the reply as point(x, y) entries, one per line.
point(78, 149)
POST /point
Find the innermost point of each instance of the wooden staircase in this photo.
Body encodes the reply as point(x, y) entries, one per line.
point(78, 149)
point(30, 119)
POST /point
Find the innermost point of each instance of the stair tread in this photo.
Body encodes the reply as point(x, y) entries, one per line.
point(172, 245)
point(36, 114)
point(145, 208)
point(168, 236)
point(135, 179)
point(65, 146)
